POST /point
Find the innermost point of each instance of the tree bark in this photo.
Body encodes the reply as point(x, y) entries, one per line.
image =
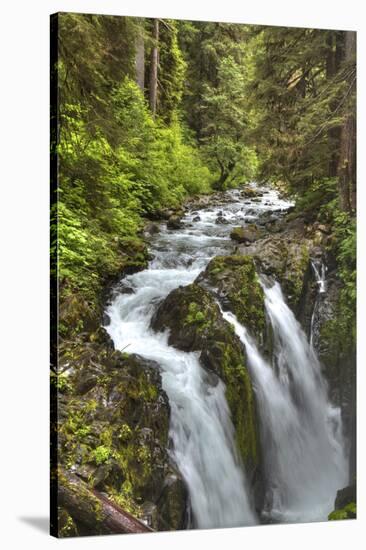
point(93, 511)
point(347, 157)
point(335, 43)
point(140, 62)
point(154, 68)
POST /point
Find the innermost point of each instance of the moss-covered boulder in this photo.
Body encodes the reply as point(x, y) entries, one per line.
point(113, 430)
point(195, 323)
point(345, 504)
point(246, 235)
point(235, 282)
point(286, 258)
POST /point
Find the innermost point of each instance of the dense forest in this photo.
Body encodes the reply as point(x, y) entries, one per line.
point(149, 116)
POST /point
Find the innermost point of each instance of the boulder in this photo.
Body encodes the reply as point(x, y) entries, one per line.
point(234, 280)
point(114, 428)
point(251, 192)
point(151, 228)
point(195, 323)
point(245, 235)
point(174, 222)
point(285, 257)
point(345, 504)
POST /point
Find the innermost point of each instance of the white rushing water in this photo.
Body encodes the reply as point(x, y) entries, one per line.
point(305, 463)
point(201, 428)
point(300, 430)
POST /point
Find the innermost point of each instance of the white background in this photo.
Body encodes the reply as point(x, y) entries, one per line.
point(24, 104)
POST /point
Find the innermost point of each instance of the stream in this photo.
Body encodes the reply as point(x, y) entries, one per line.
point(301, 431)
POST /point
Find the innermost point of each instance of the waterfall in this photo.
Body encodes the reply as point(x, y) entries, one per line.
point(320, 274)
point(301, 431)
point(319, 269)
point(200, 428)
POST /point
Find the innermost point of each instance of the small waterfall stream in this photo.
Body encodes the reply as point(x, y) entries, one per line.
point(320, 270)
point(303, 454)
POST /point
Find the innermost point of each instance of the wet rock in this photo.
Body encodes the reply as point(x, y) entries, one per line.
point(221, 220)
point(323, 228)
point(151, 228)
point(250, 212)
point(174, 222)
point(345, 496)
point(233, 279)
point(245, 235)
point(251, 192)
point(172, 504)
point(114, 427)
point(345, 504)
point(196, 219)
point(286, 258)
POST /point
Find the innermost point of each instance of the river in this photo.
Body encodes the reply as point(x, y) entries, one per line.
point(301, 431)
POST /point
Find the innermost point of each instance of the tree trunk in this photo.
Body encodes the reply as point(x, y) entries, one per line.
point(154, 68)
point(335, 42)
point(140, 62)
point(347, 157)
point(93, 511)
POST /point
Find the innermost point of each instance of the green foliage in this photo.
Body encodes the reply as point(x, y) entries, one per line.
point(343, 247)
point(172, 70)
point(61, 382)
point(219, 68)
point(319, 194)
point(116, 164)
point(100, 454)
point(303, 92)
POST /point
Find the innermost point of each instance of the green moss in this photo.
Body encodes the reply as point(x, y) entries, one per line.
point(239, 394)
point(338, 334)
point(66, 525)
point(100, 454)
point(294, 280)
point(348, 512)
point(236, 277)
point(102, 433)
point(60, 382)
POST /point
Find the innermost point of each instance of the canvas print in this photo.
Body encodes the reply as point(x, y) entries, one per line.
point(203, 275)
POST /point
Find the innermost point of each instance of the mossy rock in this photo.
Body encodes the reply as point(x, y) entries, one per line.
point(248, 234)
point(66, 525)
point(195, 323)
point(348, 512)
point(114, 427)
point(285, 259)
point(345, 504)
point(235, 281)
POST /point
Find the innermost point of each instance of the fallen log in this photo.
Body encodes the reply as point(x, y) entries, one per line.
point(92, 510)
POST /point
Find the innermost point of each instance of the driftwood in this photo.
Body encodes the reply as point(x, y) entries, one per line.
point(94, 511)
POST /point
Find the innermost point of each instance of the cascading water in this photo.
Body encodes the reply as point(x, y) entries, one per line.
point(201, 429)
point(320, 274)
point(305, 463)
point(320, 270)
point(301, 435)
